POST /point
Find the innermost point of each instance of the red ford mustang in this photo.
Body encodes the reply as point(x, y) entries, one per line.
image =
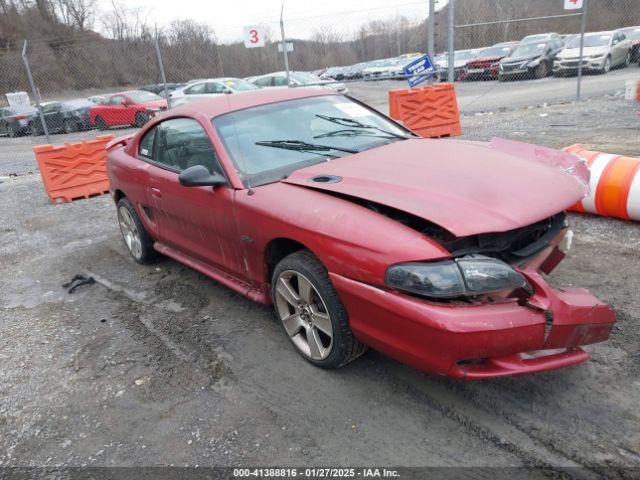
point(361, 234)
point(133, 108)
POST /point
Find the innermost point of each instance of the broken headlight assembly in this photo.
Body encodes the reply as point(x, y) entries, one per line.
point(467, 276)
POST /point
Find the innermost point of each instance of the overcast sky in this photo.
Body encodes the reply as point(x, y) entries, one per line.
point(302, 17)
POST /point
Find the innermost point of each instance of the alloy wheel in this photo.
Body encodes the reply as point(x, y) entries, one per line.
point(304, 315)
point(130, 232)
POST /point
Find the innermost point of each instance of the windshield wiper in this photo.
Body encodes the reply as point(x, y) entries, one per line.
point(351, 132)
point(300, 146)
point(349, 122)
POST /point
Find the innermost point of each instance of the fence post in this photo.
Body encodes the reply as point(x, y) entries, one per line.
point(431, 35)
point(582, 30)
point(284, 44)
point(34, 91)
point(450, 45)
point(161, 66)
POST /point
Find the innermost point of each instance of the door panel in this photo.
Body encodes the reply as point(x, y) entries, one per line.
point(198, 221)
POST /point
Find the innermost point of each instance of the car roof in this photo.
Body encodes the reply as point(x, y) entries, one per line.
point(252, 98)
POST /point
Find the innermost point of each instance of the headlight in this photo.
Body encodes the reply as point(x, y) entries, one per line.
point(596, 56)
point(153, 110)
point(532, 63)
point(465, 276)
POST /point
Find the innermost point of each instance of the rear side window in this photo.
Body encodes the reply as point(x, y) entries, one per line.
point(195, 89)
point(263, 82)
point(182, 143)
point(146, 144)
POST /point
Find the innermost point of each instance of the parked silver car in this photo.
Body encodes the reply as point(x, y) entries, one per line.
point(297, 79)
point(602, 51)
point(208, 88)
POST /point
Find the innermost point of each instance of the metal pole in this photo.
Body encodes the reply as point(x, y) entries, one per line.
point(582, 30)
point(431, 34)
point(450, 46)
point(34, 90)
point(161, 66)
point(284, 44)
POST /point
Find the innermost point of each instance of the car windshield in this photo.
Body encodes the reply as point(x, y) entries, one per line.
point(305, 78)
point(297, 133)
point(535, 38)
point(239, 85)
point(594, 40)
point(140, 96)
point(464, 55)
point(632, 33)
point(528, 50)
point(495, 52)
point(76, 104)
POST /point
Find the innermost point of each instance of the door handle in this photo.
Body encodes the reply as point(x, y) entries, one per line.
point(156, 192)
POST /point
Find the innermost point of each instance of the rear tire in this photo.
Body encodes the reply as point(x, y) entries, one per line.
point(312, 313)
point(11, 131)
point(33, 130)
point(542, 70)
point(101, 124)
point(69, 126)
point(141, 119)
point(135, 236)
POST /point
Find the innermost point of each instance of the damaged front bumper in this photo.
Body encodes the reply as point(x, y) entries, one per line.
point(478, 341)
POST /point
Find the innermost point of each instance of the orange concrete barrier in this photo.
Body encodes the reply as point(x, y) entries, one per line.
point(429, 111)
point(74, 170)
point(614, 184)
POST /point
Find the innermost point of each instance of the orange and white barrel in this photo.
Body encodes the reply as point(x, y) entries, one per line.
point(614, 184)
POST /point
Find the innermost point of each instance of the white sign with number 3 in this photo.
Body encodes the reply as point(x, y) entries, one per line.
point(572, 4)
point(253, 36)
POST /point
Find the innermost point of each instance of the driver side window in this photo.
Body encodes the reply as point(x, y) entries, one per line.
point(182, 143)
point(280, 81)
point(117, 100)
point(196, 89)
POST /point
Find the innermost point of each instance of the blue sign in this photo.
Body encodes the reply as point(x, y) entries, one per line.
point(420, 70)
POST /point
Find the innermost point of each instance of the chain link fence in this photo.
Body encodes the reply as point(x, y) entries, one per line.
point(90, 81)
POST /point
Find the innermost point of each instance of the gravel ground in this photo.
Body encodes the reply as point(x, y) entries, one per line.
point(161, 366)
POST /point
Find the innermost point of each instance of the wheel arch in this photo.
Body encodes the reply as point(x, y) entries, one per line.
point(277, 249)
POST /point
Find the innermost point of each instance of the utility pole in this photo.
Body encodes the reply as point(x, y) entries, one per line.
point(431, 34)
point(450, 45)
point(582, 30)
point(284, 44)
point(34, 90)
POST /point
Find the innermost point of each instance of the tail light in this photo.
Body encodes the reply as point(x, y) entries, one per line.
point(21, 117)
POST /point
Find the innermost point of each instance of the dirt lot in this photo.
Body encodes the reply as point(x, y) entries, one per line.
point(162, 366)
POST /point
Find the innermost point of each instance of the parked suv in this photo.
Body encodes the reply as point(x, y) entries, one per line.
point(602, 51)
point(530, 60)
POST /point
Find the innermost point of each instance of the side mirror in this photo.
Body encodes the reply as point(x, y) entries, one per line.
point(124, 103)
point(199, 176)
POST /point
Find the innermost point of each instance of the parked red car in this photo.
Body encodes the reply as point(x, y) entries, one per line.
point(133, 108)
point(486, 65)
point(362, 234)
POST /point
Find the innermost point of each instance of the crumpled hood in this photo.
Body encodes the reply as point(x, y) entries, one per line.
point(465, 187)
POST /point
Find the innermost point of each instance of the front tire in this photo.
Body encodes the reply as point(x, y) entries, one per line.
point(606, 67)
point(311, 312)
point(135, 236)
point(69, 126)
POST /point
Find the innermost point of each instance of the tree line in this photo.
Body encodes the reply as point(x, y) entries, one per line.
point(67, 53)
